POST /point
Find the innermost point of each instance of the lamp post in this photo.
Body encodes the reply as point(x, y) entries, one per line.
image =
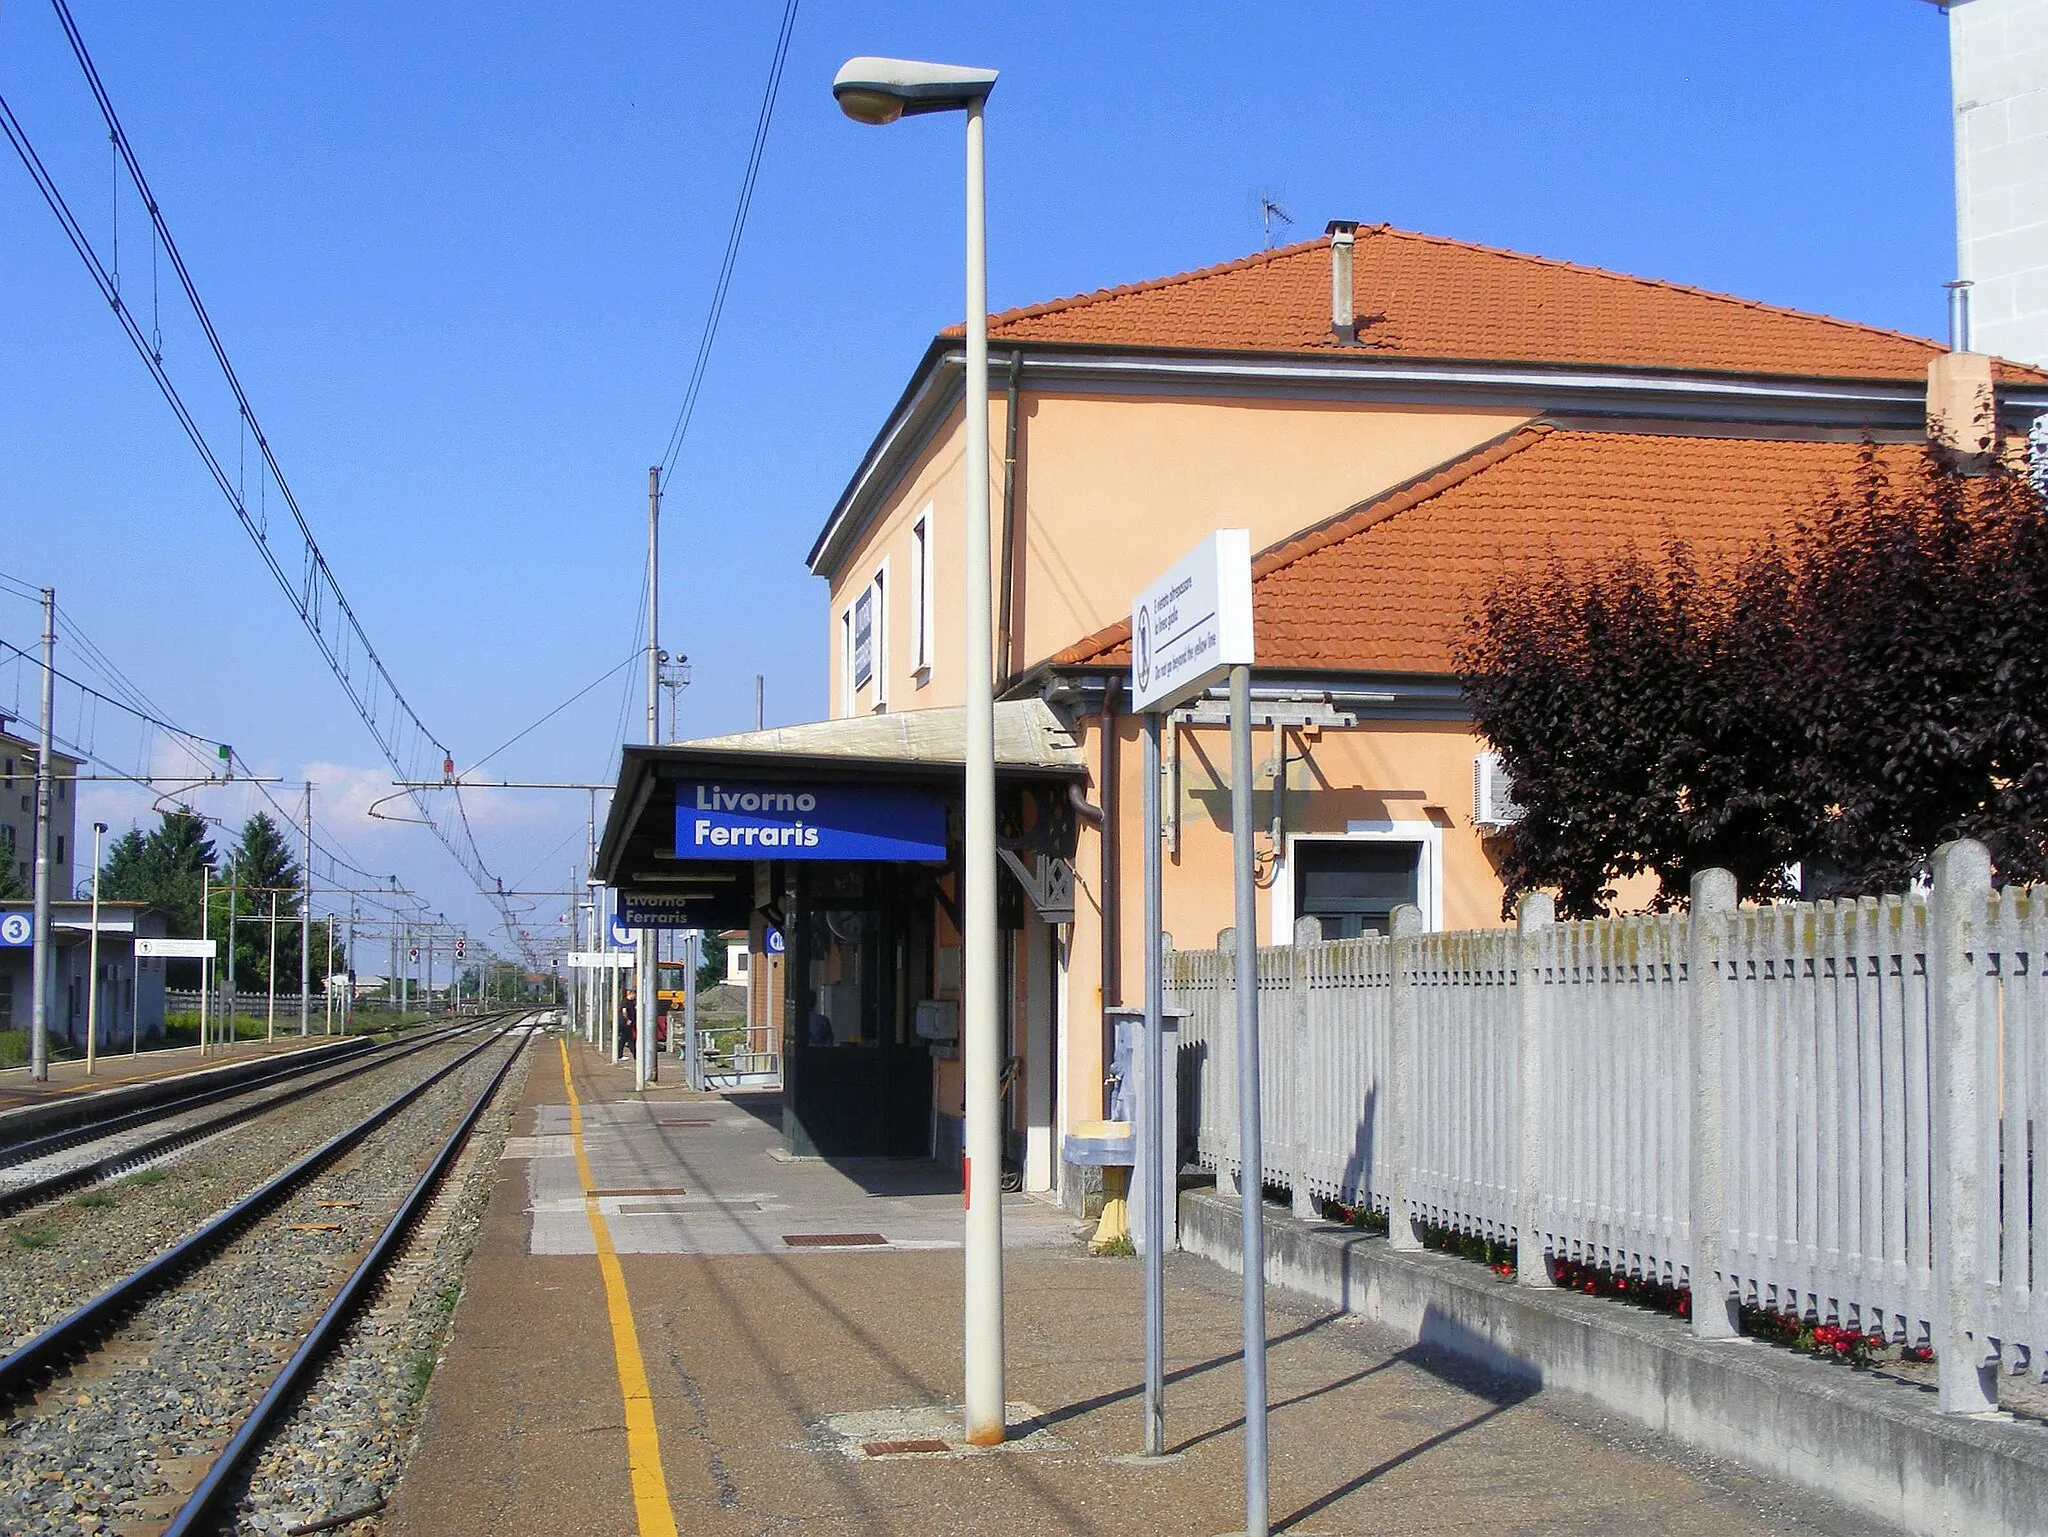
point(92, 995)
point(871, 90)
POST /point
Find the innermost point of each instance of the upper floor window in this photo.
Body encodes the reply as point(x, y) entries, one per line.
point(922, 608)
point(864, 637)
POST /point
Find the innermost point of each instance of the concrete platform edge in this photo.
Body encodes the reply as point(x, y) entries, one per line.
point(1871, 1444)
point(90, 1103)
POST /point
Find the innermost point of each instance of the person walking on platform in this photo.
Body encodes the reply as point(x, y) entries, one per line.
point(628, 1040)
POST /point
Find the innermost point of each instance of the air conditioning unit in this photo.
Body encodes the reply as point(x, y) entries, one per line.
point(1493, 794)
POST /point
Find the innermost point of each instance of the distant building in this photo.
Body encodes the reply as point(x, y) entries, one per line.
point(18, 813)
point(131, 988)
point(1998, 69)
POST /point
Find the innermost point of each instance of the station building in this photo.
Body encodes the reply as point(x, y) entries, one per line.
point(1400, 420)
point(131, 987)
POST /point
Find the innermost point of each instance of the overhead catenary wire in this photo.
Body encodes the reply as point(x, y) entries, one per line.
point(732, 240)
point(315, 592)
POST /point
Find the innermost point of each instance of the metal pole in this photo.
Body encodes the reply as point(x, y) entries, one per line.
point(1158, 1167)
point(760, 701)
point(40, 966)
point(693, 1046)
point(306, 925)
point(983, 1031)
point(92, 997)
point(647, 1006)
point(205, 932)
point(270, 975)
point(227, 1032)
point(327, 983)
point(1251, 1181)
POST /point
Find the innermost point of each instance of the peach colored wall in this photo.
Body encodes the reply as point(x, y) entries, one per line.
point(1111, 490)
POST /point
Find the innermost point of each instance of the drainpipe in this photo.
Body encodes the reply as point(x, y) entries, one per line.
point(1009, 517)
point(1112, 913)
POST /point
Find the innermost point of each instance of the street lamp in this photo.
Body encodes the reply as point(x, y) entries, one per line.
point(92, 996)
point(873, 90)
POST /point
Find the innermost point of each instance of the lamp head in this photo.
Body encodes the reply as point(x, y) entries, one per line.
point(99, 827)
point(872, 90)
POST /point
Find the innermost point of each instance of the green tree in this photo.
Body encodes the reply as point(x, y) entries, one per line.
point(1846, 701)
point(166, 869)
point(261, 867)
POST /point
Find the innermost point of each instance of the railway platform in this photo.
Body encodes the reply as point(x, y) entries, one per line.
point(123, 1082)
point(669, 1327)
point(117, 1068)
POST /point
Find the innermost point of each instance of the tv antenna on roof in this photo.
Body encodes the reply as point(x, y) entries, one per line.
point(1269, 210)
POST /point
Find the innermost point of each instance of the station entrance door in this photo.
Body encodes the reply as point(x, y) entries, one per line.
point(857, 1078)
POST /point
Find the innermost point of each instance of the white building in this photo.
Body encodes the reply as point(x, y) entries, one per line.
point(1998, 64)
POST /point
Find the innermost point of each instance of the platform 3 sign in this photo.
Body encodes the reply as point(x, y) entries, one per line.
point(799, 821)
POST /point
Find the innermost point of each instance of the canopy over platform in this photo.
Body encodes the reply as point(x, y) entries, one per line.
point(873, 787)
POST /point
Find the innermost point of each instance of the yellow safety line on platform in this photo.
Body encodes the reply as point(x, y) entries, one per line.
point(643, 1441)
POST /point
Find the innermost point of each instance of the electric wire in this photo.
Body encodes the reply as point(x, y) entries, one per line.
point(732, 240)
point(318, 583)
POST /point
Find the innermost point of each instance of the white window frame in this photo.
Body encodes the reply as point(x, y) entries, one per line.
point(863, 600)
point(1429, 877)
point(846, 704)
point(924, 611)
point(878, 641)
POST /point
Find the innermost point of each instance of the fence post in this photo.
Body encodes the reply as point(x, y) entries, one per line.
point(1227, 1183)
point(1533, 917)
point(1715, 1309)
point(1402, 1144)
point(1967, 1369)
point(1307, 931)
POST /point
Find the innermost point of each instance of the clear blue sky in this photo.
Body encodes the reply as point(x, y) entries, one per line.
point(461, 254)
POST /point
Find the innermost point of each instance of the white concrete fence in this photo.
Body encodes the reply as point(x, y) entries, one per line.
point(1834, 1108)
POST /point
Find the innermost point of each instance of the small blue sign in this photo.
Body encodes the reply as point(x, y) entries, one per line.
point(776, 944)
point(622, 933)
point(793, 821)
point(17, 931)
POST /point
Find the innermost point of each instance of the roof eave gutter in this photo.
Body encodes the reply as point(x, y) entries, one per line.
point(1837, 401)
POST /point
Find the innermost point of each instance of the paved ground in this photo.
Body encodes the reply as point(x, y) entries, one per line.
point(767, 1366)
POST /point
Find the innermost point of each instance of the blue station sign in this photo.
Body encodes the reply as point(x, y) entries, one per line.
point(795, 821)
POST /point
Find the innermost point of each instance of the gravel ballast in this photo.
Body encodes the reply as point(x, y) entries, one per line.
point(116, 1443)
point(55, 1256)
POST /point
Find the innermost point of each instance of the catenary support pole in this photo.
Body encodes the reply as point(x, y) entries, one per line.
point(1153, 1154)
point(92, 965)
point(306, 924)
point(40, 967)
point(982, 1037)
point(1251, 1182)
point(230, 998)
point(270, 976)
point(205, 932)
point(93, 962)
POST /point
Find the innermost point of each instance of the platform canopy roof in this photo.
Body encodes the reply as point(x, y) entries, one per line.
point(914, 747)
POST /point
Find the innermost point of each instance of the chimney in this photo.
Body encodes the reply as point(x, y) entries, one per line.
point(1343, 306)
point(1958, 315)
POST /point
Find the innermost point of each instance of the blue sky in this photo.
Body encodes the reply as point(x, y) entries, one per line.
point(461, 254)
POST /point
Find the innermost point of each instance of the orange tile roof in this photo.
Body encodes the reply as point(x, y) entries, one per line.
point(1424, 296)
point(1387, 586)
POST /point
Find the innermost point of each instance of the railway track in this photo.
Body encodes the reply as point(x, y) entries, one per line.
point(159, 1389)
point(44, 1168)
